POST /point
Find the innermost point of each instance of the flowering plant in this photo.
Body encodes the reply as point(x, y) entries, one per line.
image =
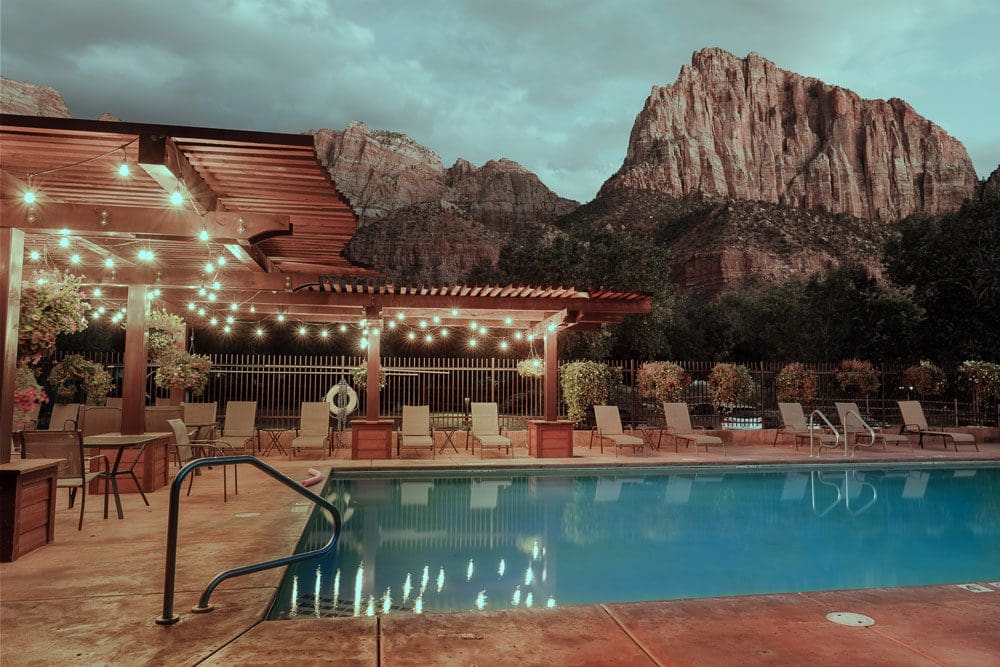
point(183, 370)
point(531, 368)
point(585, 383)
point(982, 377)
point(51, 303)
point(857, 375)
point(74, 373)
point(359, 376)
point(28, 395)
point(164, 331)
point(925, 378)
point(662, 381)
point(730, 383)
point(795, 382)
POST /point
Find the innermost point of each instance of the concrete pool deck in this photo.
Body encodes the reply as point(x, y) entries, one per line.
point(90, 597)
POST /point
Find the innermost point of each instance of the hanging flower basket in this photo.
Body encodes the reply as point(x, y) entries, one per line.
point(359, 376)
point(926, 379)
point(28, 395)
point(52, 303)
point(532, 367)
point(795, 383)
point(858, 376)
point(164, 331)
point(74, 373)
point(183, 370)
point(662, 381)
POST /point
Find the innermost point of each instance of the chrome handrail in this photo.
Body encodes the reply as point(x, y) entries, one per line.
point(818, 475)
point(168, 616)
point(847, 493)
point(836, 435)
point(863, 423)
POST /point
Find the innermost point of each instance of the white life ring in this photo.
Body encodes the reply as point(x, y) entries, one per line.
point(352, 399)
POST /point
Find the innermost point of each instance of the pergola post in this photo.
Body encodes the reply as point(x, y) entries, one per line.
point(372, 388)
point(371, 437)
point(551, 390)
point(11, 267)
point(134, 373)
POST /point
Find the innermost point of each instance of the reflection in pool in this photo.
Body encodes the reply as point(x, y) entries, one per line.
point(422, 542)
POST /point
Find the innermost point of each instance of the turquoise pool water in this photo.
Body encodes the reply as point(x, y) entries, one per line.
point(443, 542)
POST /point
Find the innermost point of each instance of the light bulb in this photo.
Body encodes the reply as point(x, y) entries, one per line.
point(110, 263)
point(221, 261)
point(472, 342)
point(483, 331)
point(201, 312)
point(64, 242)
point(252, 308)
point(216, 284)
point(324, 333)
point(202, 291)
point(123, 169)
point(363, 343)
point(454, 312)
point(473, 325)
point(176, 198)
point(100, 310)
point(97, 291)
point(94, 315)
point(230, 319)
point(233, 307)
point(518, 335)
point(343, 328)
point(392, 324)
point(203, 234)
point(444, 333)
point(209, 267)
point(423, 324)
point(400, 316)
point(436, 319)
point(211, 296)
point(552, 326)
point(260, 332)
point(281, 317)
point(302, 331)
point(34, 255)
point(227, 328)
point(508, 321)
point(191, 305)
point(29, 197)
point(411, 336)
point(503, 345)
point(213, 321)
point(428, 338)
point(74, 259)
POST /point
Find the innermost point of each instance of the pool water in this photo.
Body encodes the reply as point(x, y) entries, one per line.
point(442, 542)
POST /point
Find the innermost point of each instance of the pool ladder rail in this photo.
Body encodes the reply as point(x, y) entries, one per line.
point(820, 445)
point(168, 617)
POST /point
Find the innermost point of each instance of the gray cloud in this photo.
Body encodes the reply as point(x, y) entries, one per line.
point(552, 84)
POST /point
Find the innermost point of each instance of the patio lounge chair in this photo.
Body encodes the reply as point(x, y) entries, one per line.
point(73, 473)
point(486, 428)
point(159, 416)
point(855, 428)
point(188, 450)
point(677, 421)
point(609, 427)
point(95, 420)
point(64, 417)
point(314, 428)
point(793, 421)
point(238, 428)
point(416, 429)
point(915, 422)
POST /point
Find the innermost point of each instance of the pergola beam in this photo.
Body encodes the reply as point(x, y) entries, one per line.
point(160, 158)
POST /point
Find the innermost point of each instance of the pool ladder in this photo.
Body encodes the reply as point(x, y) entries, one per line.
point(820, 445)
point(168, 617)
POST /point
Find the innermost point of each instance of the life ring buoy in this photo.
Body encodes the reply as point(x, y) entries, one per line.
point(352, 399)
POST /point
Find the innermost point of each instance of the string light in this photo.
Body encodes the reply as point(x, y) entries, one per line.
point(302, 331)
point(64, 242)
point(209, 267)
point(201, 312)
point(454, 312)
point(176, 198)
point(123, 170)
point(34, 255)
point(203, 234)
point(363, 343)
point(324, 333)
point(343, 328)
point(100, 310)
point(444, 333)
point(503, 345)
point(191, 305)
point(234, 307)
point(472, 342)
point(226, 329)
point(508, 321)
point(29, 197)
point(428, 338)
point(518, 335)
point(400, 316)
point(97, 291)
point(74, 259)
point(260, 332)
point(211, 296)
point(202, 291)
point(392, 324)
point(483, 331)
point(473, 325)
point(423, 324)
point(436, 319)
point(213, 321)
point(216, 285)
point(221, 261)
point(146, 255)
point(110, 263)
point(411, 336)
point(230, 319)
point(552, 326)
point(94, 315)
point(281, 317)
point(252, 308)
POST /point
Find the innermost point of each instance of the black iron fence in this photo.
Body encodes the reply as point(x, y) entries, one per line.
point(280, 383)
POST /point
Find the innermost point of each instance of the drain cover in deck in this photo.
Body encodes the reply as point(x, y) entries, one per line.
point(849, 618)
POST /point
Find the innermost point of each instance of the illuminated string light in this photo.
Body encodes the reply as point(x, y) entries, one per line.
point(422, 324)
point(234, 307)
point(324, 333)
point(123, 170)
point(472, 342)
point(454, 312)
point(216, 285)
point(100, 310)
point(94, 315)
point(260, 332)
point(444, 333)
point(176, 198)
point(503, 345)
point(483, 331)
point(211, 296)
point(363, 343)
point(303, 331)
point(343, 328)
point(34, 255)
point(221, 261)
point(201, 312)
point(29, 197)
point(518, 335)
point(191, 305)
point(213, 321)
point(146, 255)
point(253, 309)
point(473, 325)
point(64, 242)
point(209, 267)
point(552, 326)
point(436, 319)
point(392, 324)
point(74, 259)
point(97, 291)
point(203, 234)
point(230, 319)
point(226, 329)
point(281, 317)
point(400, 316)
point(508, 321)
point(157, 292)
point(110, 263)
point(428, 338)
point(411, 336)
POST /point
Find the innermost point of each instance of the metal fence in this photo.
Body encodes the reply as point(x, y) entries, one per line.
point(280, 383)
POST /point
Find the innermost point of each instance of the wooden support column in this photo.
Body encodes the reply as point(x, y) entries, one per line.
point(134, 374)
point(372, 389)
point(551, 391)
point(11, 266)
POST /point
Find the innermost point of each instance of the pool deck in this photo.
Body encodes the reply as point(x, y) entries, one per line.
point(90, 597)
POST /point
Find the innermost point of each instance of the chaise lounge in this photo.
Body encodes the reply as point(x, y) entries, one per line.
point(914, 422)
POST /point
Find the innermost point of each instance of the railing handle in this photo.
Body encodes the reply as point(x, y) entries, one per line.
point(836, 434)
point(168, 617)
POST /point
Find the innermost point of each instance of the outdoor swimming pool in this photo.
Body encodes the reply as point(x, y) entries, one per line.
point(438, 541)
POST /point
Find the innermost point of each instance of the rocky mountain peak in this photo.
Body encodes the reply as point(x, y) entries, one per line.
point(746, 129)
point(30, 99)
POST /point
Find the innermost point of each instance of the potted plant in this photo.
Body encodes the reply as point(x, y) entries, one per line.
point(74, 373)
point(662, 381)
point(982, 378)
point(359, 376)
point(585, 384)
point(857, 377)
point(926, 379)
point(532, 367)
point(729, 384)
point(795, 383)
point(183, 370)
point(165, 330)
point(52, 303)
point(28, 396)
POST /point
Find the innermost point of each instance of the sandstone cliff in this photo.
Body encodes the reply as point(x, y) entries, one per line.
point(991, 187)
point(30, 99)
point(746, 129)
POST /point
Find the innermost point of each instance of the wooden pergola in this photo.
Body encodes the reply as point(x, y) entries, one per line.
point(259, 202)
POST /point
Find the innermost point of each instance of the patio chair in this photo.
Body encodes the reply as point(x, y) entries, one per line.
point(188, 450)
point(677, 422)
point(609, 427)
point(30, 422)
point(915, 422)
point(97, 419)
point(73, 473)
point(855, 428)
point(238, 427)
point(485, 428)
point(793, 421)
point(159, 416)
point(64, 417)
point(314, 428)
point(200, 416)
point(416, 429)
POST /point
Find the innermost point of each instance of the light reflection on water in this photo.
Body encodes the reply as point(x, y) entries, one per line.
point(626, 536)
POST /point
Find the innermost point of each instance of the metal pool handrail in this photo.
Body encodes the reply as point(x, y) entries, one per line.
point(871, 431)
point(833, 428)
point(168, 616)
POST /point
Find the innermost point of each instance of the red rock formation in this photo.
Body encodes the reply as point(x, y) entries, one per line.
point(31, 99)
point(744, 128)
point(991, 187)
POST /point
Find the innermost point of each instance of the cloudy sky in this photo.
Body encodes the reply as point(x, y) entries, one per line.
point(553, 84)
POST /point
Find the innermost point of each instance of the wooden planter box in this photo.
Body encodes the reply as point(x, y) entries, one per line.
point(27, 506)
point(371, 440)
point(547, 440)
point(153, 469)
